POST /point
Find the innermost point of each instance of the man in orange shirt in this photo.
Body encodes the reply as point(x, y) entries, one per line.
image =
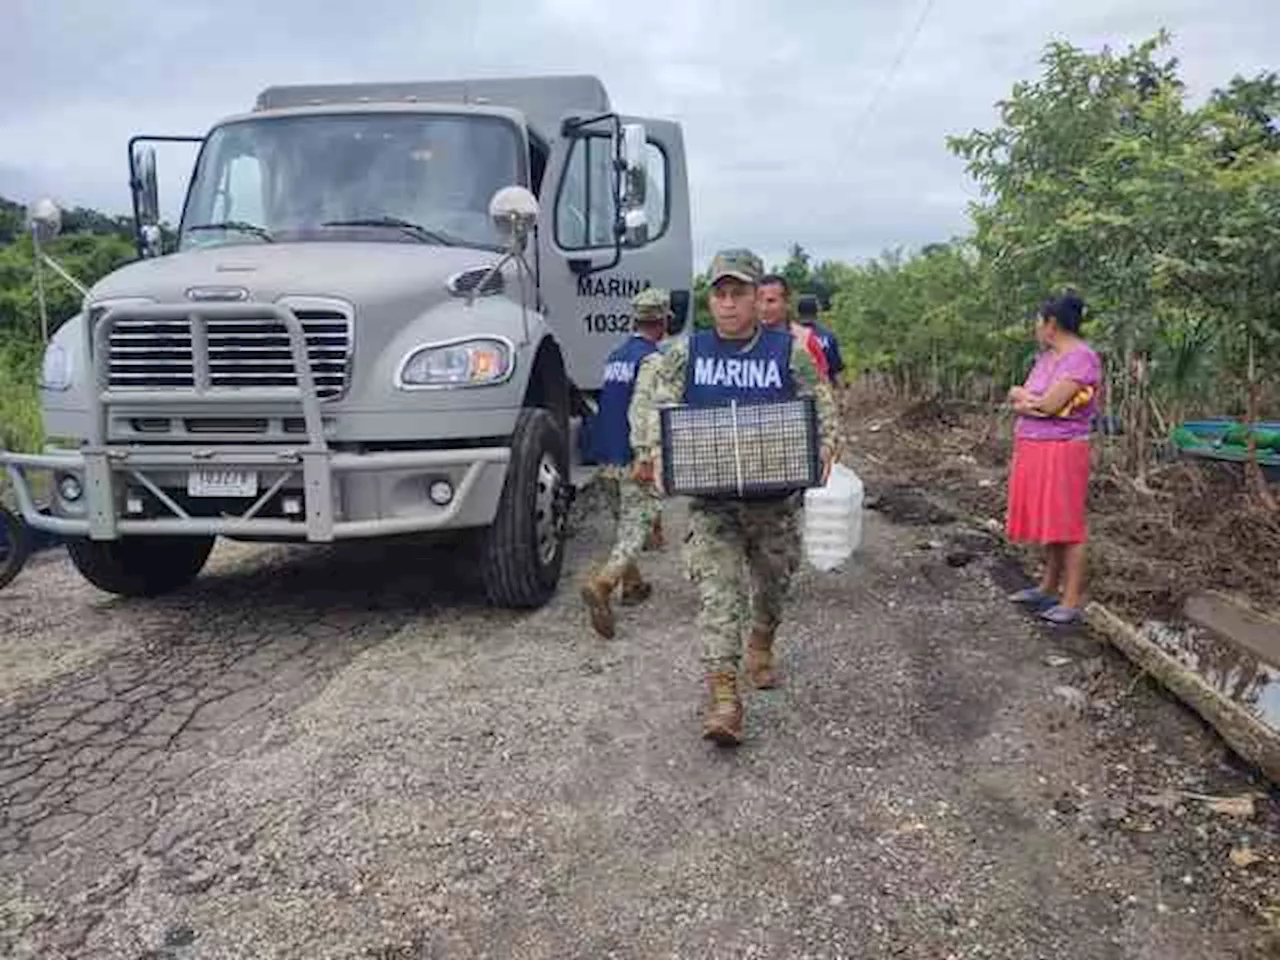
point(773, 301)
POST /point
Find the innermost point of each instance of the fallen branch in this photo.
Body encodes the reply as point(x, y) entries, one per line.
point(1243, 732)
point(1136, 484)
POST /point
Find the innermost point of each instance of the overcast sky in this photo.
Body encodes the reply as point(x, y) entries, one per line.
point(787, 137)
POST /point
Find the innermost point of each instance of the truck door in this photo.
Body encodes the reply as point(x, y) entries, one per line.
point(589, 308)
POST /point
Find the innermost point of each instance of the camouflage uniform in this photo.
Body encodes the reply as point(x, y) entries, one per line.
point(722, 534)
point(636, 510)
point(726, 535)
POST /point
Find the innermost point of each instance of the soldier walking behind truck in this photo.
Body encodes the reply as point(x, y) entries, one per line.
point(638, 506)
point(773, 298)
point(807, 317)
point(728, 533)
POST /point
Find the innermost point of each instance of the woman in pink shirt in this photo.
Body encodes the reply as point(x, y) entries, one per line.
point(1049, 475)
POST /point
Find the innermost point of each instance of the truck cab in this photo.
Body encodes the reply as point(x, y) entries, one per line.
point(388, 308)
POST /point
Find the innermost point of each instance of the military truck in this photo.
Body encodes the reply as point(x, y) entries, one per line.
point(387, 310)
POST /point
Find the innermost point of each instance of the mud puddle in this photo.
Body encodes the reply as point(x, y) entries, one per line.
point(1233, 672)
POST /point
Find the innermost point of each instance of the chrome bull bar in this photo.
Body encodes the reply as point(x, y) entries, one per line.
point(100, 457)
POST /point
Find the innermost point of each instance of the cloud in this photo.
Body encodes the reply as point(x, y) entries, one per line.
point(795, 129)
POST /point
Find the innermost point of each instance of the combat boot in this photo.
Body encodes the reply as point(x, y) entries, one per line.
point(722, 721)
point(596, 593)
point(760, 669)
point(634, 588)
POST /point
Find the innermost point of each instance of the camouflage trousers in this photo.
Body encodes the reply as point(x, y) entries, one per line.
point(724, 537)
point(634, 507)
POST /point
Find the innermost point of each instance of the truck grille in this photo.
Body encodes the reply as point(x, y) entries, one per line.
point(151, 354)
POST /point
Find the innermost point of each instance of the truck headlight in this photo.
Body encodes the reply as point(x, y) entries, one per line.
point(477, 362)
point(56, 372)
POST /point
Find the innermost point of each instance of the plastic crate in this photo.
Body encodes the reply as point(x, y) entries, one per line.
point(741, 450)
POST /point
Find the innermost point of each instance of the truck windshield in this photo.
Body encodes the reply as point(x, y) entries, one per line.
point(352, 176)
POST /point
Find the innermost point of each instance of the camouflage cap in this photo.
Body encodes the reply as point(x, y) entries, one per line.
point(739, 263)
point(651, 303)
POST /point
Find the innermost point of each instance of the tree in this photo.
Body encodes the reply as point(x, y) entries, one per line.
point(13, 217)
point(1097, 176)
point(701, 308)
point(796, 269)
point(1232, 268)
point(1254, 106)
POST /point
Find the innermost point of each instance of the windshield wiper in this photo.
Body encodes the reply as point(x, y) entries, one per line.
point(239, 225)
point(416, 230)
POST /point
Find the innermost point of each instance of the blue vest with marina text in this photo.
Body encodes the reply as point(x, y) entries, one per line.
point(611, 430)
point(831, 347)
point(720, 372)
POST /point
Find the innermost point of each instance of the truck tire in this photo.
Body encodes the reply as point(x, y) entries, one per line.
point(15, 545)
point(140, 566)
point(522, 551)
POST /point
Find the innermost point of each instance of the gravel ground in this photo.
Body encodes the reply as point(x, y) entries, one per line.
point(316, 753)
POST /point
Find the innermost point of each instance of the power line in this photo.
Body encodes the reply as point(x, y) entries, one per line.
point(889, 75)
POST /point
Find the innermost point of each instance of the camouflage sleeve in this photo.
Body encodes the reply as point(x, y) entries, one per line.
point(810, 383)
point(660, 381)
point(641, 400)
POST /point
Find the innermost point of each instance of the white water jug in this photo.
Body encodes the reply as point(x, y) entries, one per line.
point(833, 519)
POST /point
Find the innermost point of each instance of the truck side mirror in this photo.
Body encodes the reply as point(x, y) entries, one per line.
point(146, 200)
point(45, 220)
point(514, 211)
point(635, 179)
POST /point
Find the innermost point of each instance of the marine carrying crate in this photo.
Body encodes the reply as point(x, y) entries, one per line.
point(740, 450)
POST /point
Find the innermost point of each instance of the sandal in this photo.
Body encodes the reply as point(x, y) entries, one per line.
point(1061, 616)
point(1033, 597)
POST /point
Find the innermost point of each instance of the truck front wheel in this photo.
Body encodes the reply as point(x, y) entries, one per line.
point(522, 552)
point(140, 566)
point(14, 545)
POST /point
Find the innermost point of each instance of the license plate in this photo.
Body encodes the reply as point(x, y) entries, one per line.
point(222, 483)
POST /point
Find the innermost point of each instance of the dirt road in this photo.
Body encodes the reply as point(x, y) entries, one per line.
point(338, 754)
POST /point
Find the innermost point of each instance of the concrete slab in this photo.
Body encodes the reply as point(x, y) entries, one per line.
point(1236, 620)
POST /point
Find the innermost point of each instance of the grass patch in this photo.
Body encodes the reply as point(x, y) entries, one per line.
point(20, 425)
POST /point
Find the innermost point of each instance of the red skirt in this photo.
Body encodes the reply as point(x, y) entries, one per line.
point(1048, 489)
